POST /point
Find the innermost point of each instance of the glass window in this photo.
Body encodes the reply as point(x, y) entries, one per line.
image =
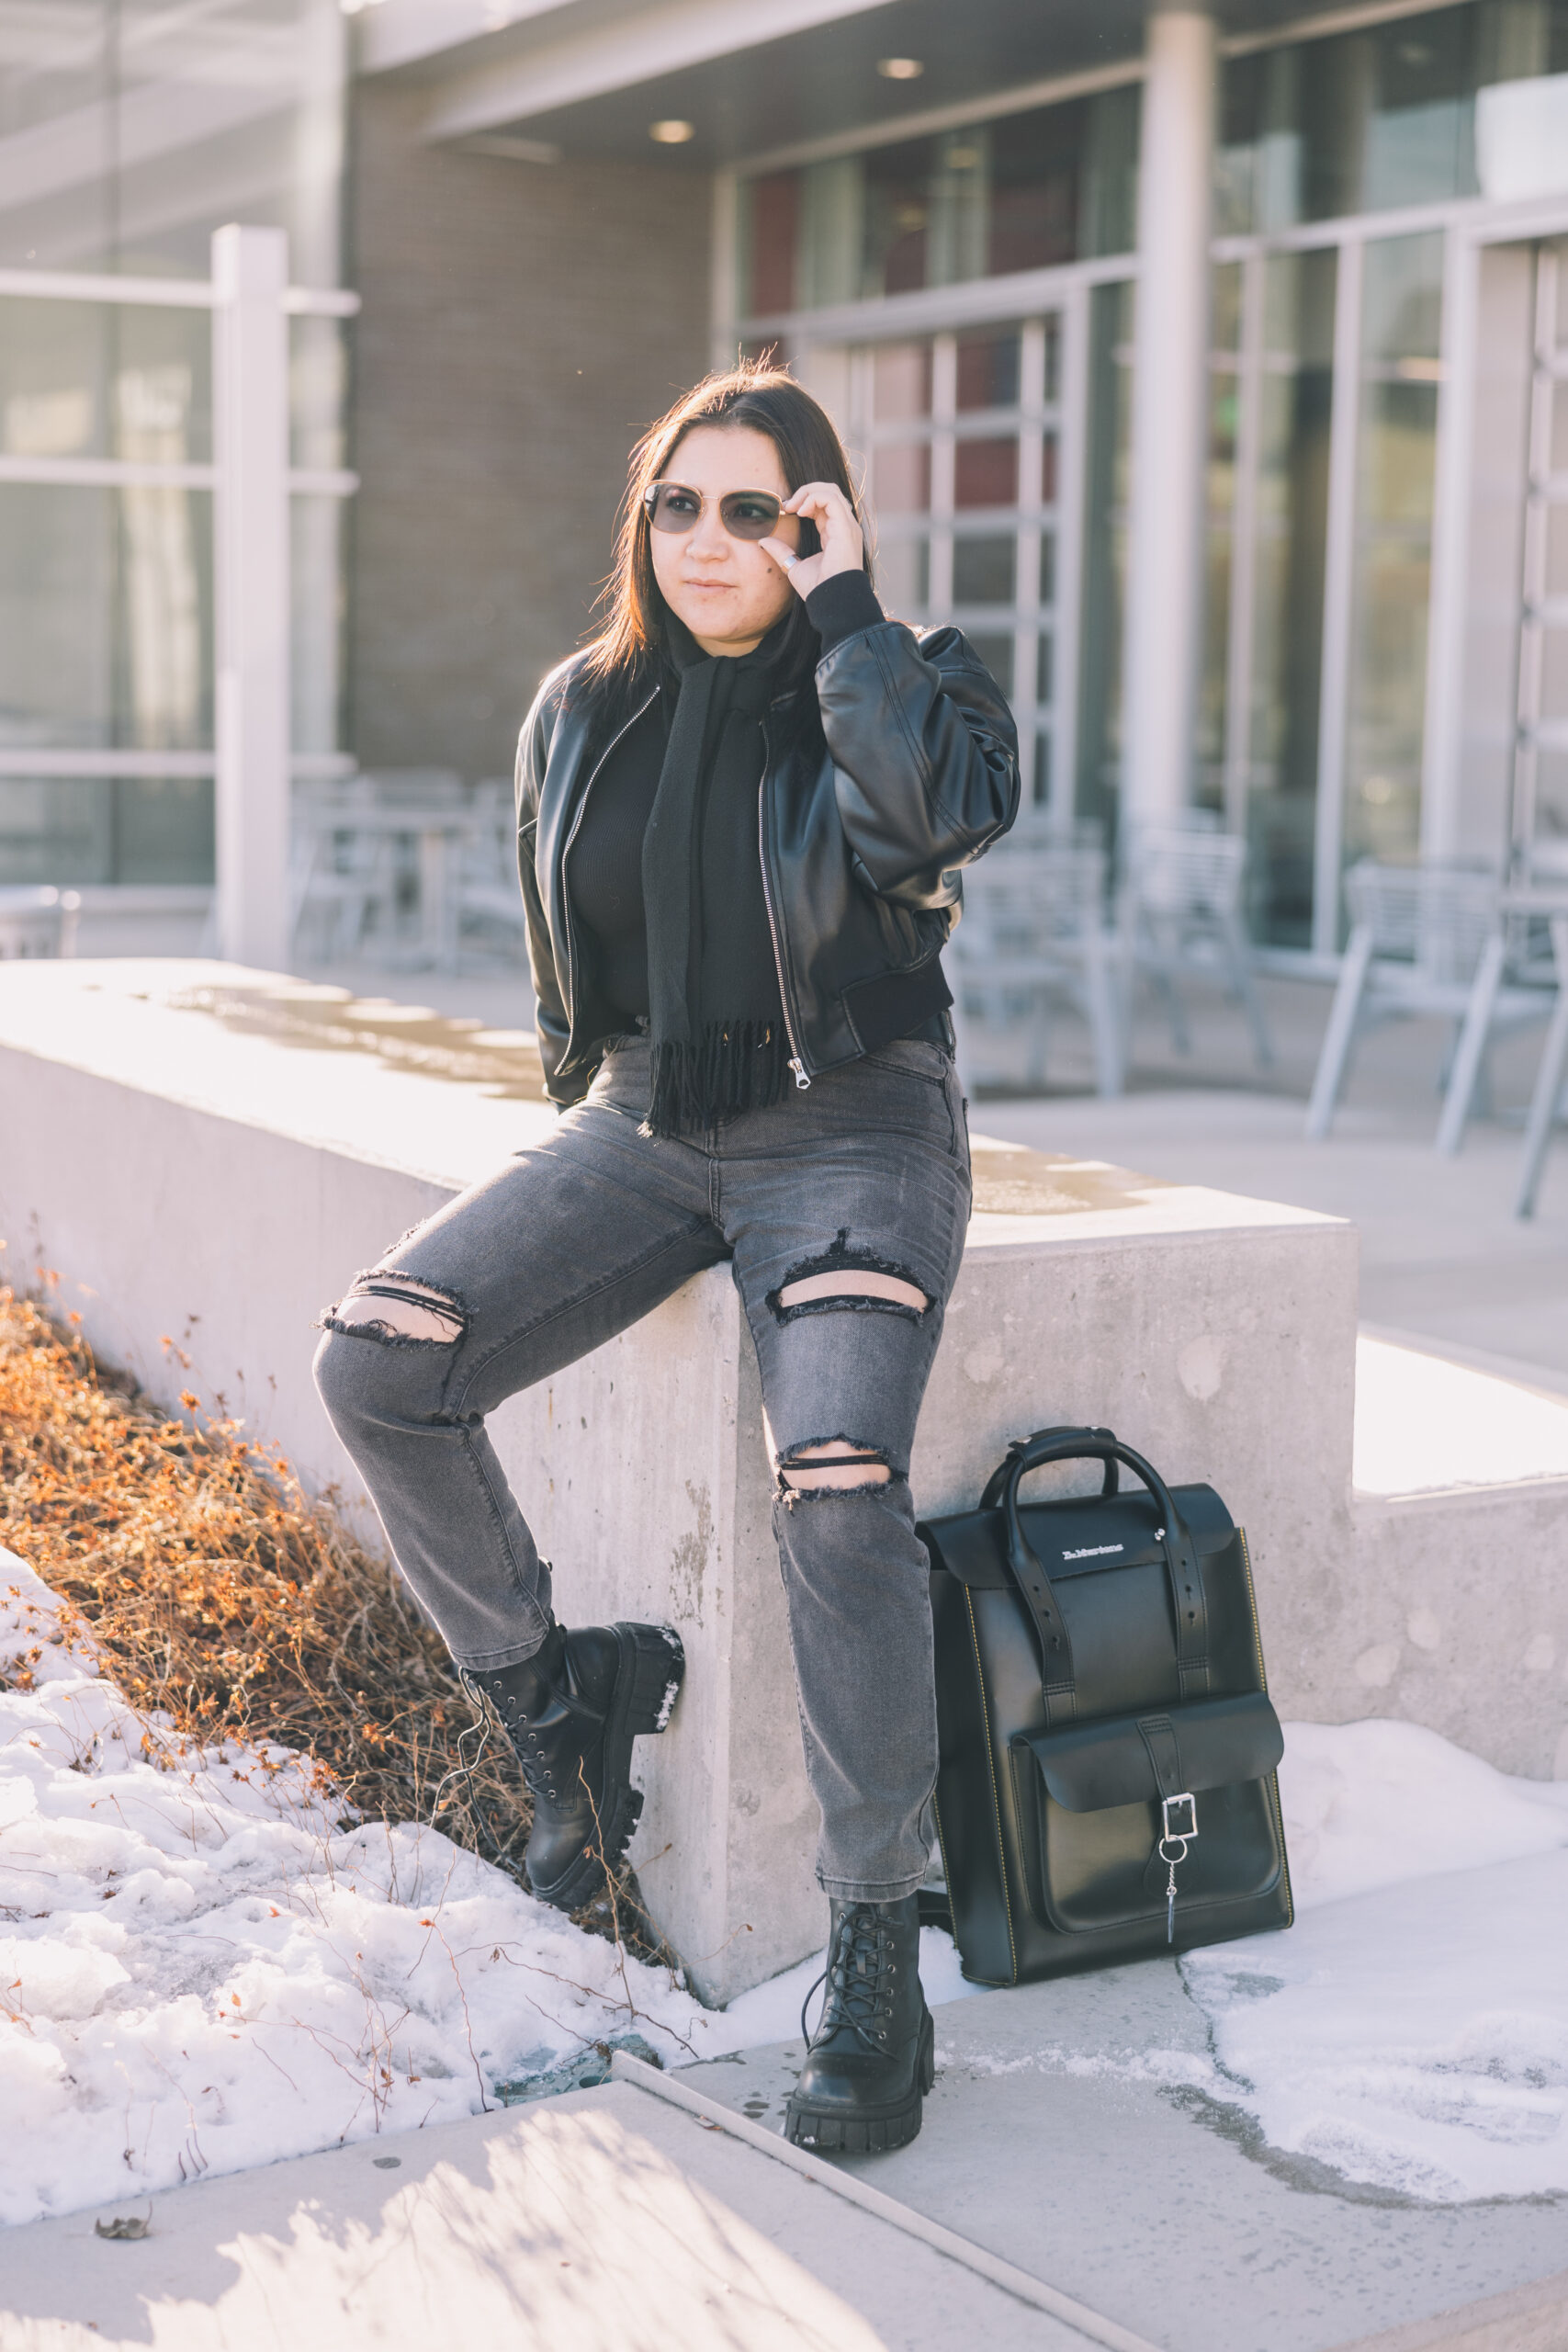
point(1097, 784)
point(983, 568)
point(1047, 566)
point(901, 375)
point(1368, 121)
point(1026, 192)
point(1396, 445)
point(996, 651)
point(1224, 305)
point(901, 477)
point(150, 125)
point(1280, 722)
point(769, 241)
point(904, 576)
point(122, 829)
point(1045, 668)
point(101, 379)
point(131, 136)
point(1042, 768)
point(985, 473)
point(81, 668)
point(989, 369)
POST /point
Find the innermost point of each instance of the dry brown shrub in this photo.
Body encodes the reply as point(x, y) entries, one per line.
point(217, 1592)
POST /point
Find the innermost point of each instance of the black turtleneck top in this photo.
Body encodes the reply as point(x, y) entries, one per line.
point(603, 875)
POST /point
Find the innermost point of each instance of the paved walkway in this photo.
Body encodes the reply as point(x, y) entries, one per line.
point(1158, 2208)
point(1043, 2209)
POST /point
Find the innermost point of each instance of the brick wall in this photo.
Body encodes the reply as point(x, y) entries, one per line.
point(520, 324)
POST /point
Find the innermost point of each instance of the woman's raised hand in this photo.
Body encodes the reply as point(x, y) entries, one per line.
point(843, 544)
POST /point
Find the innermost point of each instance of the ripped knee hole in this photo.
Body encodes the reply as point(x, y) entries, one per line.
point(848, 1278)
point(845, 1468)
point(857, 1289)
point(392, 1306)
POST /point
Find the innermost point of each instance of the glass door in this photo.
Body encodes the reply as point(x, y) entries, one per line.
point(1539, 825)
point(972, 490)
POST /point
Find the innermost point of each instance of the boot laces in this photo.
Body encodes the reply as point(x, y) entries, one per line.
point(538, 1776)
point(859, 1974)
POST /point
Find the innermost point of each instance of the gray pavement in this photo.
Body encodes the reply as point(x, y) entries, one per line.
point(1160, 2208)
point(1442, 1255)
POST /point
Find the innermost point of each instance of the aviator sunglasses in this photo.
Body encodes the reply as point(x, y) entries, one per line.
point(745, 513)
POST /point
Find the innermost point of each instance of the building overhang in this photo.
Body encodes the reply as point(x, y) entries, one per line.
point(751, 77)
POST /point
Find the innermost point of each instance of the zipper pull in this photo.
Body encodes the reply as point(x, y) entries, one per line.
point(802, 1083)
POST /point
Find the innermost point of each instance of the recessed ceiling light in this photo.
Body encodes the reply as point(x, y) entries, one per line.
point(900, 69)
point(672, 134)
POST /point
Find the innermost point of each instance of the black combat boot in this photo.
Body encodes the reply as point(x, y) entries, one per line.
point(571, 1712)
point(873, 2057)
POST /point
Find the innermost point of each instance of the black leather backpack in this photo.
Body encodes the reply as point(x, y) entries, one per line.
point(1107, 1788)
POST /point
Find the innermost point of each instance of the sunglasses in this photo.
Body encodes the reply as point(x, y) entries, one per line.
point(745, 513)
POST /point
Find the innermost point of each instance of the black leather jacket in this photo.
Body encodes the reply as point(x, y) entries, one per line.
point(867, 820)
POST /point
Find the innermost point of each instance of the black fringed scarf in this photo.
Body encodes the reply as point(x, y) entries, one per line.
point(715, 1015)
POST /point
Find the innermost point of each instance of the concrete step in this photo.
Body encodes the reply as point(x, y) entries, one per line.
point(605, 2220)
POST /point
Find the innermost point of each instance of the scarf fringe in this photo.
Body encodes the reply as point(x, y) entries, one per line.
point(735, 1066)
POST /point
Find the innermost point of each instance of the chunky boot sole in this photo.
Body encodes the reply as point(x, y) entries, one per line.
point(867, 2131)
point(648, 1683)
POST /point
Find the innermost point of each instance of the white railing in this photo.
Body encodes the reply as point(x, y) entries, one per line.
point(252, 481)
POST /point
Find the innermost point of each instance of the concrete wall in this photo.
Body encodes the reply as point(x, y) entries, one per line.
point(253, 1176)
point(521, 324)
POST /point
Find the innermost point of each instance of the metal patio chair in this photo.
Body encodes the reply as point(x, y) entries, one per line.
point(37, 920)
point(1546, 1109)
point(489, 901)
point(1419, 935)
point(341, 873)
point(1034, 938)
point(1518, 979)
point(1179, 910)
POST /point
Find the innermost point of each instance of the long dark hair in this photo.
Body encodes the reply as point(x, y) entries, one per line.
point(756, 395)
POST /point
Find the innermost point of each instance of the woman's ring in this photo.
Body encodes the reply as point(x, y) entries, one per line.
point(789, 561)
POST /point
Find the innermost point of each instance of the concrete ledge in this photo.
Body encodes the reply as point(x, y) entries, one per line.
point(209, 1154)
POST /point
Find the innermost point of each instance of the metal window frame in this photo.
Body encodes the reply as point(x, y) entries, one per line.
point(1027, 618)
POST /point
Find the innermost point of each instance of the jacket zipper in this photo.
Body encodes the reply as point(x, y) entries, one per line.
point(797, 1063)
point(566, 852)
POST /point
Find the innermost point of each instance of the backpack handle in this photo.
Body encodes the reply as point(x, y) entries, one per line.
point(991, 1493)
point(1182, 1570)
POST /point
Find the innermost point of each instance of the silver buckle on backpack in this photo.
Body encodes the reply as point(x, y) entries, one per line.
point(1186, 1827)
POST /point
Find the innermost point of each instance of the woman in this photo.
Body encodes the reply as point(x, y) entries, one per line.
point(741, 816)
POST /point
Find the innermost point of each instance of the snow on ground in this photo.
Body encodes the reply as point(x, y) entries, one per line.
point(200, 1971)
point(1424, 1425)
point(1411, 2032)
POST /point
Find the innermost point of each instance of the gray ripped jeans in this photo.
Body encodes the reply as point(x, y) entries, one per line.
point(842, 1211)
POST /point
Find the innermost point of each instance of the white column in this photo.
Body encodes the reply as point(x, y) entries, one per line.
point(249, 367)
point(1169, 414)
